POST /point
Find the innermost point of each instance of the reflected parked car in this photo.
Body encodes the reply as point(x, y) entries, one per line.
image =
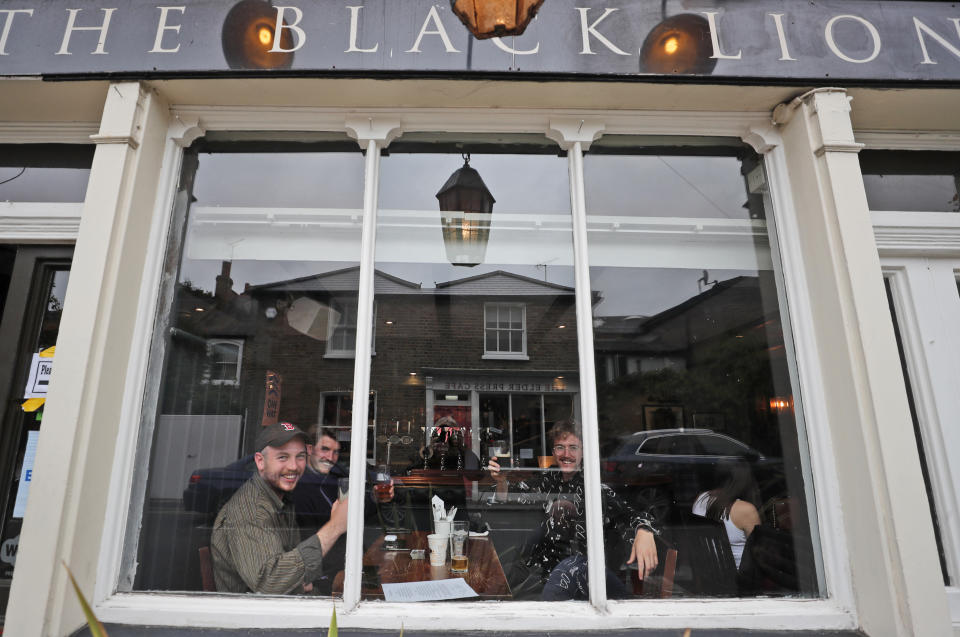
point(661, 469)
point(209, 489)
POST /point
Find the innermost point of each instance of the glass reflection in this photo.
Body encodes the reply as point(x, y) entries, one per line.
point(916, 181)
point(258, 335)
point(473, 363)
point(50, 173)
point(695, 403)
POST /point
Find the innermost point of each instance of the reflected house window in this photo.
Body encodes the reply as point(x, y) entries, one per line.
point(505, 330)
point(343, 332)
point(342, 341)
point(223, 361)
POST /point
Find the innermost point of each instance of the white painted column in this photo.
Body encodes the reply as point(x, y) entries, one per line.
point(575, 136)
point(892, 560)
point(65, 513)
point(373, 135)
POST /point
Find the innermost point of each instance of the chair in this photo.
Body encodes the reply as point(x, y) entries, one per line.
point(665, 572)
point(707, 567)
point(206, 570)
point(769, 564)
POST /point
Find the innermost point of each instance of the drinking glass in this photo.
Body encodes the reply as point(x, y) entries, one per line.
point(381, 488)
point(458, 546)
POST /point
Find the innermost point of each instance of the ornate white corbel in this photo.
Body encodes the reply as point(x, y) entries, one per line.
point(567, 131)
point(370, 128)
point(762, 137)
point(186, 129)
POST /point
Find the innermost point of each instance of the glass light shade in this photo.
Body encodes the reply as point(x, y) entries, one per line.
point(495, 18)
point(247, 37)
point(679, 44)
point(467, 206)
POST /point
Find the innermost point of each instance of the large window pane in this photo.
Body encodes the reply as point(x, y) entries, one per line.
point(474, 361)
point(918, 181)
point(53, 173)
point(260, 328)
point(695, 402)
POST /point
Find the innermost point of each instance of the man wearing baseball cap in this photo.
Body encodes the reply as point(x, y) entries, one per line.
point(255, 543)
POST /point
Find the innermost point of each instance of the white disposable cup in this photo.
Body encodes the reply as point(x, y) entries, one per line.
point(438, 548)
point(442, 527)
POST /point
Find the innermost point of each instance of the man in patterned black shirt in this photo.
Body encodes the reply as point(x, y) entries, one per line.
point(255, 543)
point(559, 556)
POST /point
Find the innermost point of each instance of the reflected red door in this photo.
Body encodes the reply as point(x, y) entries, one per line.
point(461, 417)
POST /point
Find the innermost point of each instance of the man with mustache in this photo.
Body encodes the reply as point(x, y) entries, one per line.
point(559, 555)
point(255, 543)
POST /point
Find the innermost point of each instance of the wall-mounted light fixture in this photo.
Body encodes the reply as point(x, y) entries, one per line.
point(248, 36)
point(680, 44)
point(495, 18)
point(781, 404)
point(466, 207)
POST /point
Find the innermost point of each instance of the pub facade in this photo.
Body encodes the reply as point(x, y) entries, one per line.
point(659, 296)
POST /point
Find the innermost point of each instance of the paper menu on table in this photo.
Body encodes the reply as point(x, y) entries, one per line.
point(454, 588)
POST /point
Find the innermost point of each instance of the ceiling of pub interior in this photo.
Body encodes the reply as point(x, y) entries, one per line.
point(32, 100)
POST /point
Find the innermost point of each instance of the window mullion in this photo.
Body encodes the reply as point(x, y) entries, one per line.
point(361, 379)
point(588, 394)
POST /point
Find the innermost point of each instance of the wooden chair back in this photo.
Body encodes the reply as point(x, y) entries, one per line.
point(206, 570)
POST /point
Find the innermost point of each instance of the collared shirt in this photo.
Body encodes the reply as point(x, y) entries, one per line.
point(256, 546)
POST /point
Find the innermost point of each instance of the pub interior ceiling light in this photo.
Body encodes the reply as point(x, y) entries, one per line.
point(248, 35)
point(466, 207)
point(495, 18)
point(680, 44)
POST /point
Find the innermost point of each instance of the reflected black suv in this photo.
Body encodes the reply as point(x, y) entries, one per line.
point(664, 468)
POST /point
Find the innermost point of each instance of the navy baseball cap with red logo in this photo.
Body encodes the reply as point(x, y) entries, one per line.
point(277, 435)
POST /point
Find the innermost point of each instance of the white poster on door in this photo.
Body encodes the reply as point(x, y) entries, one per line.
point(40, 370)
point(26, 475)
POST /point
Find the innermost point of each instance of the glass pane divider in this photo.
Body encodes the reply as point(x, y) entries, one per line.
point(361, 380)
point(588, 392)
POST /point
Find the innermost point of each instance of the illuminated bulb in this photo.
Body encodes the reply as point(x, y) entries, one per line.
point(671, 46)
point(265, 35)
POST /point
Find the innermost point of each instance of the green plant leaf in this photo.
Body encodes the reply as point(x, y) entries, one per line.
point(332, 631)
point(96, 628)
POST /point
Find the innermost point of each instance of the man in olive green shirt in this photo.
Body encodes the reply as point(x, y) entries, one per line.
point(256, 545)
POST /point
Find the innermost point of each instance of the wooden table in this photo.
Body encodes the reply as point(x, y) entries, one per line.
point(485, 574)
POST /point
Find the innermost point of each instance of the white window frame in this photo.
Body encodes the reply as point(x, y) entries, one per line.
point(574, 129)
point(211, 345)
point(918, 251)
point(497, 355)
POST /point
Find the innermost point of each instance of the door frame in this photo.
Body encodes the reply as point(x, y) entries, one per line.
point(19, 327)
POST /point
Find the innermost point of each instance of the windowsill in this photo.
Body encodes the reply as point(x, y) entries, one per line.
point(506, 357)
point(344, 355)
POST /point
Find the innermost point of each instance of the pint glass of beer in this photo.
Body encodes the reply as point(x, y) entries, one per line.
point(459, 539)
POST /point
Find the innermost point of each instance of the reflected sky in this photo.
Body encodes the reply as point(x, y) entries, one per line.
point(660, 186)
point(33, 184)
point(649, 185)
point(280, 180)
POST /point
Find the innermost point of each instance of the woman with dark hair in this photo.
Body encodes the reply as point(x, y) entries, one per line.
point(735, 503)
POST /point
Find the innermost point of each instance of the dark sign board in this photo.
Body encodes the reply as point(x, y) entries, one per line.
point(838, 40)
